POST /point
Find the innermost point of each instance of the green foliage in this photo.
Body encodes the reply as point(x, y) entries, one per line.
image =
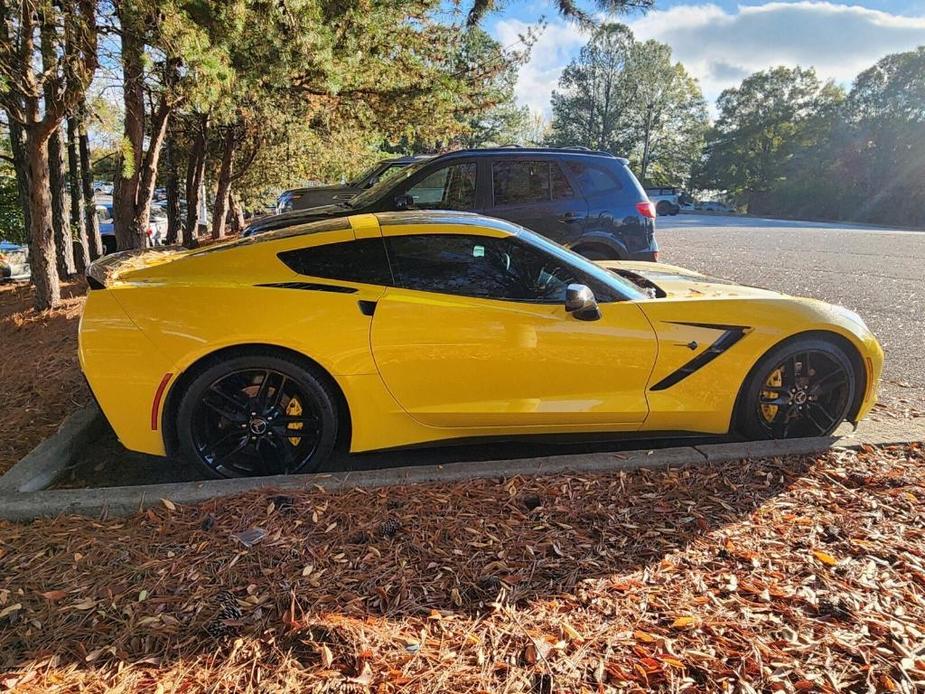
point(629, 98)
point(12, 225)
point(319, 89)
point(788, 145)
point(493, 117)
point(762, 124)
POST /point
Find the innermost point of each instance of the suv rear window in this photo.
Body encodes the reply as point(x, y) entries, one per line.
point(351, 261)
point(522, 181)
point(593, 178)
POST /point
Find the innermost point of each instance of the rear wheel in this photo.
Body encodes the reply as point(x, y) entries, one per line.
point(802, 388)
point(257, 415)
point(663, 208)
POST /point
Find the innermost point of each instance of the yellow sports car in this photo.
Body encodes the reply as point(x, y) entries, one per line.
point(259, 356)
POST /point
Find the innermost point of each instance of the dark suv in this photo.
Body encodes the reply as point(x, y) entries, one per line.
point(587, 201)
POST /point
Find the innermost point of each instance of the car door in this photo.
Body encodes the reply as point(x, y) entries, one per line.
point(463, 340)
point(538, 195)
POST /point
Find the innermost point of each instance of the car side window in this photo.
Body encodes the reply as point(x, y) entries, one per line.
point(482, 267)
point(559, 186)
point(594, 179)
point(363, 261)
point(449, 188)
point(520, 181)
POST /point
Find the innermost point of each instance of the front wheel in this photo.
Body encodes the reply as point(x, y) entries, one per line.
point(257, 415)
point(802, 388)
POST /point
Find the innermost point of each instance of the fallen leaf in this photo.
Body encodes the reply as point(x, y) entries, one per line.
point(327, 658)
point(169, 505)
point(684, 622)
point(644, 636)
point(825, 557)
point(54, 595)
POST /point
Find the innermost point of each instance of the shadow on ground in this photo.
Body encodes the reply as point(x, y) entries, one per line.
point(361, 572)
point(106, 463)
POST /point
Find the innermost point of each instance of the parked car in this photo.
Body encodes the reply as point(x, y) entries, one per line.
point(713, 206)
point(587, 201)
point(156, 232)
point(261, 355)
point(666, 200)
point(14, 261)
point(305, 198)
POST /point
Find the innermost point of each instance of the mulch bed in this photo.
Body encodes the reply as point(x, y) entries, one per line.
point(40, 379)
point(797, 574)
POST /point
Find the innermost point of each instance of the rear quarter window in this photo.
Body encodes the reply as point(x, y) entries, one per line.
point(362, 261)
point(594, 179)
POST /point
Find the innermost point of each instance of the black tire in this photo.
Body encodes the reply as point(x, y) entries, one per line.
point(257, 414)
point(663, 208)
point(804, 387)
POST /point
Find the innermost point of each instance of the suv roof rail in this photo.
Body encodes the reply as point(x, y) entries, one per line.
point(571, 149)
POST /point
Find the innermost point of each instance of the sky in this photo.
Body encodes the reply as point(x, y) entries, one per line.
point(722, 41)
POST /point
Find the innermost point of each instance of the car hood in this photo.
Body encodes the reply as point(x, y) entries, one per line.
point(678, 282)
point(288, 219)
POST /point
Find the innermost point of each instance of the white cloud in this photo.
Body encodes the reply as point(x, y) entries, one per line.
point(721, 47)
point(553, 50)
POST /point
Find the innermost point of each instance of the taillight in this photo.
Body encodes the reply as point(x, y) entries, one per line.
point(646, 209)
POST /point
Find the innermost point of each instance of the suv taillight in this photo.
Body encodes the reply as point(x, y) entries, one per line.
point(646, 209)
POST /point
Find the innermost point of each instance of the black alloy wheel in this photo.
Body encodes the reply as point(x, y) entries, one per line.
point(805, 389)
point(257, 416)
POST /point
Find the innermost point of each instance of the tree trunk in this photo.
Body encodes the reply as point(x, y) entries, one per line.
point(60, 206)
point(57, 180)
point(129, 232)
point(194, 174)
point(647, 140)
point(174, 222)
point(237, 214)
point(78, 214)
point(224, 186)
point(41, 231)
point(94, 242)
point(18, 148)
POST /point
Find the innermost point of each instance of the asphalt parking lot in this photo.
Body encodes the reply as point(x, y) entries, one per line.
point(876, 272)
point(880, 273)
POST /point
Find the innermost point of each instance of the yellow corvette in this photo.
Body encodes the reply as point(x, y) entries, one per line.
point(260, 355)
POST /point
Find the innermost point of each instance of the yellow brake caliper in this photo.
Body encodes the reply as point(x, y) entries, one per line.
point(775, 380)
point(294, 409)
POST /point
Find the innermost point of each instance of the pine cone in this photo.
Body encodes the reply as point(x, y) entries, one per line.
point(228, 611)
point(390, 527)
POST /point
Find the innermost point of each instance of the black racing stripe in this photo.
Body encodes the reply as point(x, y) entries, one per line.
point(731, 335)
point(310, 287)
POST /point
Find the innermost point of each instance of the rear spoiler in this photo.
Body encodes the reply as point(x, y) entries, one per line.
point(104, 270)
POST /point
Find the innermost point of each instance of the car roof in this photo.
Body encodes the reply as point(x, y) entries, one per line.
point(413, 218)
point(517, 150)
point(445, 217)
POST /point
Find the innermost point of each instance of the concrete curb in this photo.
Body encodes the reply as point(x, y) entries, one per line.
point(120, 501)
point(45, 463)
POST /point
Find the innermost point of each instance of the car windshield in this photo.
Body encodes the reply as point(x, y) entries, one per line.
point(390, 182)
point(358, 181)
point(622, 286)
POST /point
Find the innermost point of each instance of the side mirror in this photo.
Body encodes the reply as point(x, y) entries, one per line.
point(580, 302)
point(404, 202)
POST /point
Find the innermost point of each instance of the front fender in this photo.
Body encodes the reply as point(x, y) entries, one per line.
point(704, 400)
